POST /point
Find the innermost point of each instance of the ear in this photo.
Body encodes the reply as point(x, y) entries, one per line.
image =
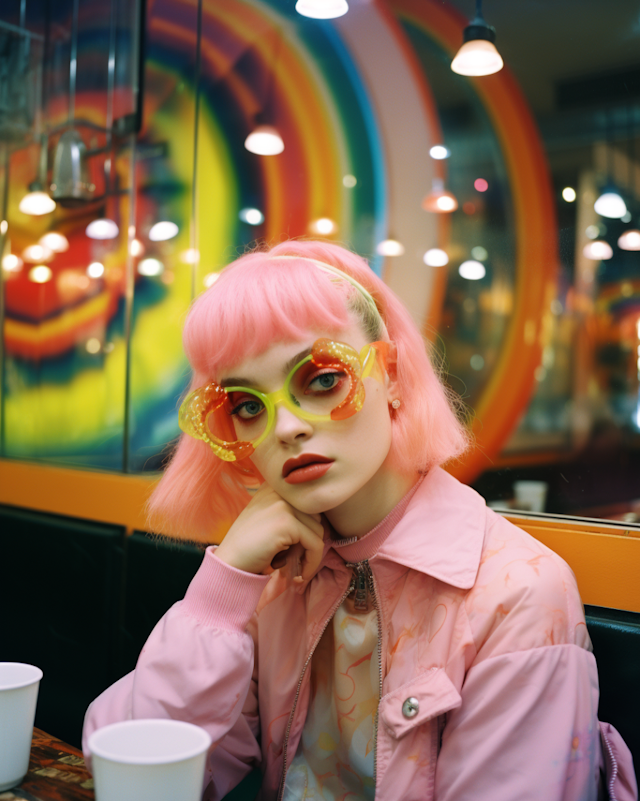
point(392, 372)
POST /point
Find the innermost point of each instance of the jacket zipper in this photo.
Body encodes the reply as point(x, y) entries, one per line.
point(362, 582)
point(614, 766)
point(365, 583)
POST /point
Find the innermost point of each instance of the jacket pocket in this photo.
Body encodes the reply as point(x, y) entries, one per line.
point(428, 695)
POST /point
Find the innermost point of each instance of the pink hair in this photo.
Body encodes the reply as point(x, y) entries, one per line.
point(259, 300)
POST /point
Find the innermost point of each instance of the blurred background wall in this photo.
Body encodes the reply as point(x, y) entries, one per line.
point(130, 120)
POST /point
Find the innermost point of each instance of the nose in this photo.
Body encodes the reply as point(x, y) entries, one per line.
point(289, 427)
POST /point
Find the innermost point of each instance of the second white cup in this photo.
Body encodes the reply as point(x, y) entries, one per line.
point(19, 685)
point(149, 760)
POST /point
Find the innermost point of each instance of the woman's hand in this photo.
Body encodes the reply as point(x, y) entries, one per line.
point(269, 534)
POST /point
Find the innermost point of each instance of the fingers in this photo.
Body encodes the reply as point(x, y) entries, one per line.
point(313, 545)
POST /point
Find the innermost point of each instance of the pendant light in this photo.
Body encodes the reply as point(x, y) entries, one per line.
point(70, 181)
point(439, 200)
point(478, 54)
point(630, 239)
point(265, 139)
point(322, 9)
point(609, 203)
point(105, 228)
point(37, 202)
point(390, 247)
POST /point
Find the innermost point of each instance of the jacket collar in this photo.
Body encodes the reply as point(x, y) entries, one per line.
point(440, 532)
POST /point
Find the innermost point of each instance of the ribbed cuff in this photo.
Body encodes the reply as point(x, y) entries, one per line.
point(221, 596)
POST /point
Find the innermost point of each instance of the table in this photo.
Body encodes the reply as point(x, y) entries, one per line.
point(56, 773)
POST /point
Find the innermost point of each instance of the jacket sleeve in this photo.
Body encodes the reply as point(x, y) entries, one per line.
point(198, 665)
point(527, 727)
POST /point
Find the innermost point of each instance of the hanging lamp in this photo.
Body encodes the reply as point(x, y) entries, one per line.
point(609, 203)
point(478, 54)
point(37, 202)
point(630, 239)
point(265, 139)
point(439, 200)
point(322, 9)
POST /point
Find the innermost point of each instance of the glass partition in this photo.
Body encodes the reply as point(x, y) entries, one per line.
point(131, 137)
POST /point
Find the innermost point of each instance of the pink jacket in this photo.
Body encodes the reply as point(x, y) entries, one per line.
point(479, 623)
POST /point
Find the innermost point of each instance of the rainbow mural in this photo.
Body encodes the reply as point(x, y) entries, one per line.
point(65, 397)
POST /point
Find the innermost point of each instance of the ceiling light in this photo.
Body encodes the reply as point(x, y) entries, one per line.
point(323, 226)
point(40, 274)
point(11, 263)
point(599, 250)
point(435, 257)
point(95, 269)
point(390, 247)
point(56, 242)
point(102, 229)
point(70, 177)
point(150, 267)
point(478, 54)
point(162, 231)
point(349, 181)
point(322, 9)
point(190, 256)
point(136, 248)
point(439, 152)
point(264, 141)
point(479, 253)
point(569, 194)
point(630, 240)
point(251, 216)
point(472, 270)
point(4, 227)
point(439, 200)
point(37, 203)
point(37, 253)
point(610, 204)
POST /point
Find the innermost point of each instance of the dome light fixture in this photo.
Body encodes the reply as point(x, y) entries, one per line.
point(472, 270)
point(630, 240)
point(478, 54)
point(436, 257)
point(37, 253)
point(610, 204)
point(322, 9)
point(56, 242)
point(40, 274)
point(439, 200)
point(103, 228)
point(11, 263)
point(439, 152)
point(323, 226)
point(264, 140)
point(150, 267)
point(37, 203)
point(95, 269)
point(390, 247)
point(569, 194)
point(163, 230)
point(251, 216)
point(598, 250)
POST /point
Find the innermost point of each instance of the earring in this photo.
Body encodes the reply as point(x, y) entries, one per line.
point(396, 403)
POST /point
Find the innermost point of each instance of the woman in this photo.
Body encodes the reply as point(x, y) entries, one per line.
point(411, 644)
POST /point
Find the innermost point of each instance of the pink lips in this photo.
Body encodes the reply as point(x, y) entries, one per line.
point(306, 467)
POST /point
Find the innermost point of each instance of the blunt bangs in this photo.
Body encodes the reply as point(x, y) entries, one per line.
point(257, 301)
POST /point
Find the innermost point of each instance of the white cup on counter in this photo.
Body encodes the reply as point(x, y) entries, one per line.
point(149, 760)
point(19, 684)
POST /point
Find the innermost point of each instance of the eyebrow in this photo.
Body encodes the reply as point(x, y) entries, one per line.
point(239, 381)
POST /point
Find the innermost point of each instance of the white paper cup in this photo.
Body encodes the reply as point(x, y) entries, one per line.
point(149, 760)
point(19, 685)
point(530, 495)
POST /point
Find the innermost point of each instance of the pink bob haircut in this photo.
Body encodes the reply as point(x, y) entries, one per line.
point(259, 300)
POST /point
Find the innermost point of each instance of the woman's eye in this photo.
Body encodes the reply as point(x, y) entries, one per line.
point(325, 382)
point(248, 409)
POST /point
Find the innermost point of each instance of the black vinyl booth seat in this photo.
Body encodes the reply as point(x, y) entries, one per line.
point(80, 598)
